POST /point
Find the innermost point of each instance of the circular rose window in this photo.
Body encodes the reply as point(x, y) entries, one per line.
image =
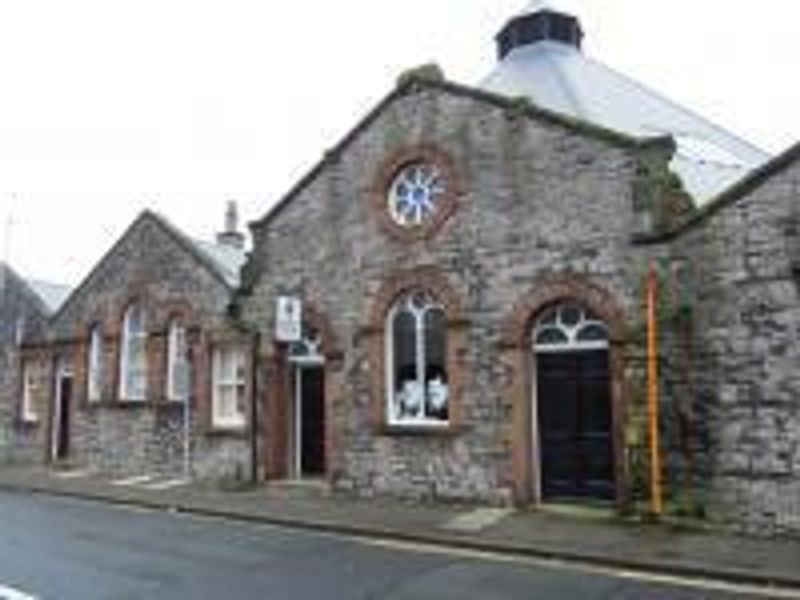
point(415, 194)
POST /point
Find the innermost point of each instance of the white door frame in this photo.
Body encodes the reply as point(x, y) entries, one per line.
point(63, 371)
point(536, 449)
point(299, 365)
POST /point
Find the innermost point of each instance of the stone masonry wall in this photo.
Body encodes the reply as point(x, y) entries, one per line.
point(746, 355)
point(18, 307)
point(541, 200)
point(132, 437)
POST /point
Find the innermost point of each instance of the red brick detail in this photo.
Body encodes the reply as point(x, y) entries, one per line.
point(137, 294)
point(277, 400)
point(390, 168)
point(516, 327)
point(182, 312)
point(519, 361)
point(434, 282)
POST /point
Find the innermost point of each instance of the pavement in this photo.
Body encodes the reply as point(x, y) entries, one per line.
point(583, 538)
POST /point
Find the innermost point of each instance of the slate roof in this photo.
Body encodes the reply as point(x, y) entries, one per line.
point(559, 77)
point(49, 295)
point(225, 261)
point(52, 295)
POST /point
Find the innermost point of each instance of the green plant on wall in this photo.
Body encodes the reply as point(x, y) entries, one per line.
point(674, 323)
point(429, 72)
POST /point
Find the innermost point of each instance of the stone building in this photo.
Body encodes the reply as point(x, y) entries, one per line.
point(25, 306)
point(470, 267)
point(150, 374)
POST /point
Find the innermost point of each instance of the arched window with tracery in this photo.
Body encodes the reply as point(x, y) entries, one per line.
point(568, 327)
point(416, 361)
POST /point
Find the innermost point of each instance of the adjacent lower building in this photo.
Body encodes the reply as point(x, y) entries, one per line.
point(25, 307)
point(150, 373)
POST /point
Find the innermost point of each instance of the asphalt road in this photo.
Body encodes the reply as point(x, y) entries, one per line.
point(59, 549)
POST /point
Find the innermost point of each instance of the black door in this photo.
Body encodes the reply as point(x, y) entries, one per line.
point(574, 403)
point(312, 433)
point(65, 397)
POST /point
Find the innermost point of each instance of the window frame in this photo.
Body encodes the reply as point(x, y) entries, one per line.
point(220, 380)
point(127, 339)
point(449, 177)
point(94, 365)
point(28, 413)
point(404, 302)
point(177, 358)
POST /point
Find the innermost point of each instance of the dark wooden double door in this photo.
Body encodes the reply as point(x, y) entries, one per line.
point(575, 425)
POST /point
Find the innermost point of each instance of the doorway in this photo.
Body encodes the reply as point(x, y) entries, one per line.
point(573, 413)
point(308, 420)
point(62, 413)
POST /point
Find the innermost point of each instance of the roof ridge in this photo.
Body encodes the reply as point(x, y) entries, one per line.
point(662, 96)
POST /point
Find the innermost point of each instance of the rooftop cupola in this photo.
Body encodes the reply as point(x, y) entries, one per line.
point(230, 235)
point(542, 20)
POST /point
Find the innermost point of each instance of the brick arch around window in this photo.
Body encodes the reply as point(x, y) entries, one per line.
point(135, 296)
point(81, 348)
point(388, 170)
point(434, 282)
point(276, 397)
point(517, 356)
point(158, 354)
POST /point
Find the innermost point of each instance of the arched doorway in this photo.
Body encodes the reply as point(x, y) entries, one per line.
point(573, 416)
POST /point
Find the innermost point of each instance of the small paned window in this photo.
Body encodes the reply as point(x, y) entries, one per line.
point(29, 386)
point(229, 387)
point(416, 347)
point(178, 372)
point(415, 194)
point(568, 327)
point(94, 383)
point(133, 356)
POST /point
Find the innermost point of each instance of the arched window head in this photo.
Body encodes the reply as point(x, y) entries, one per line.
point(94, 380)
point(416, 361)
point(569, 326)
point(133, 355)
point(178, 372)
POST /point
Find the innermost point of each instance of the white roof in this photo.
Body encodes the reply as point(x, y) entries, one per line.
point(561, 78)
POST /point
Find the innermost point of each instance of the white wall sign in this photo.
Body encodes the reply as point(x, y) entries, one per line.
point(288, 319)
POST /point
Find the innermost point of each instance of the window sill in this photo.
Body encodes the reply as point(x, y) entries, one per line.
point(418, 430)
point(226, 431)
point(131, 404)
point(177, 405)
point(28, 422)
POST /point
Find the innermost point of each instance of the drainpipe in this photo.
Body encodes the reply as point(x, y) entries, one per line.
point(254, 399)
point(656, 499)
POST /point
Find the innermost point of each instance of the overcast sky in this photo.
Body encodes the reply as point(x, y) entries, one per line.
point(111, 106)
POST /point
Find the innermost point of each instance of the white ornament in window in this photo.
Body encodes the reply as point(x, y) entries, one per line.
point(416, 362)
point(415, 194)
